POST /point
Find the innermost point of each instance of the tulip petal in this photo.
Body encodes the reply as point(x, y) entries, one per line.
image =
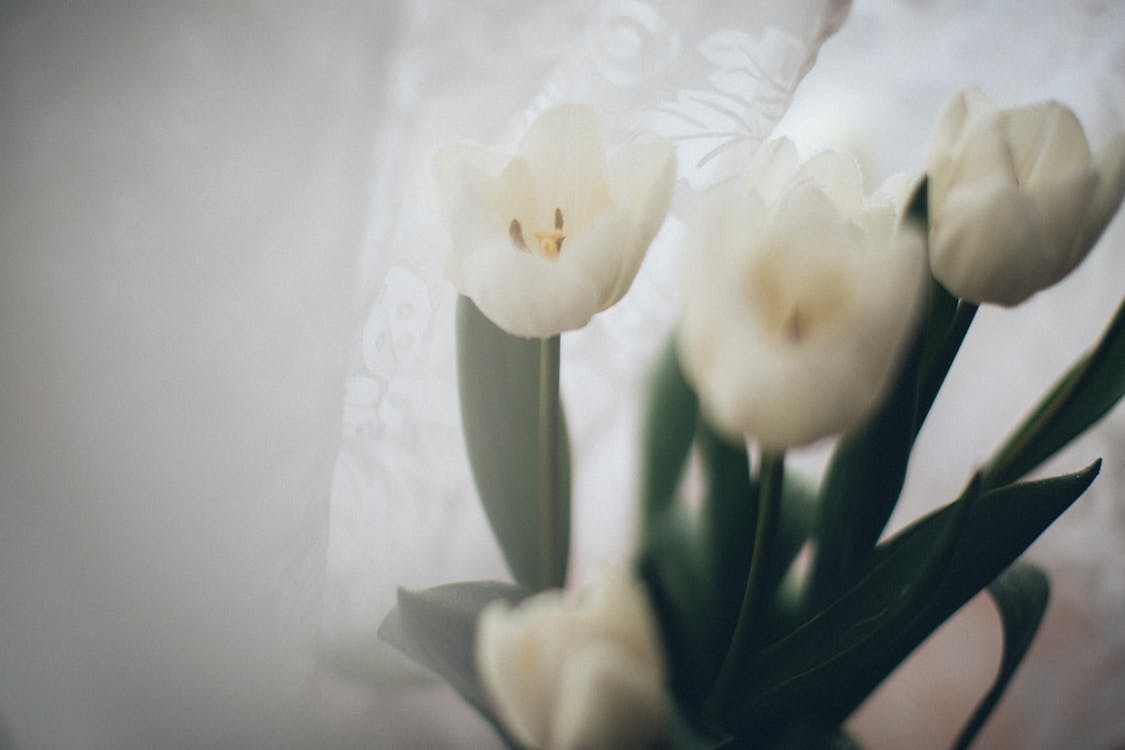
point(607, 701)
point(618, 607)
point(473, 202)
point(895, 190)
point(1110, 161)
point(520, 197)
point(516, 650)
point(1046, 142)
point(641, 178)
point(791, 380)
point(569, 673)
point(1015, 199)
point(594, 255)
point(772, 169)
point(564, 150)
point(507, 682)
point(539, 243)
point(523, 293)
point(990, 247)
point(793, 395)
point(953, 124)
point(1063, 205)
point(880, 222)
point(838, 175)
point(955, 116)
point(985, 157)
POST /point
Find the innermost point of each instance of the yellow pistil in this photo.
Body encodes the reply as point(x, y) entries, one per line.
point(550, 242)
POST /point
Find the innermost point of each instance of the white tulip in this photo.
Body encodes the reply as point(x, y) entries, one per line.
point(556, 234)
point(1016, 201)
point(800, 298)
point(576, 674)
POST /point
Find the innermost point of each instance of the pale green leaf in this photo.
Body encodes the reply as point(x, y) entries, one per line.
point(830, 664)
point(437, 629)
point(498, 379)
point(1021, 594)
point(1088, 390)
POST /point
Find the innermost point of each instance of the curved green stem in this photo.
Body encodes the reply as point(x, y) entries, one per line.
point(935, 368)
point(769, 505)
point(550, 501)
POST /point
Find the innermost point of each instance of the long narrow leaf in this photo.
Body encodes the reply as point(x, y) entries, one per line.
point(864, 480)
point(1021, 594)
point(437, 629)
point(498, 379)
point(730, 509)
point(805, 671)
point(1088, 390)
point(1003, 524)
point(670, 422)
point(885, 598)
point(670, 565)
point(794, 528)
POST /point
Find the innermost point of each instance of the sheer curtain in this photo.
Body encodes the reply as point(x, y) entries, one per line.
point(219, 250)
point(226, 381)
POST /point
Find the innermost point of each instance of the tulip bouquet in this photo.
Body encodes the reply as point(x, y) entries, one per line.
point(810, 310)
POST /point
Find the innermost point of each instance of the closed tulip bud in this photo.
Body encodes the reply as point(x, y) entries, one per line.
point(576, 674)
point(1016, 200)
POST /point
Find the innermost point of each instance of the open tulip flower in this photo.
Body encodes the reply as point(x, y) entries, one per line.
point(544, 241)
point(800, 299)
point(1016, 199)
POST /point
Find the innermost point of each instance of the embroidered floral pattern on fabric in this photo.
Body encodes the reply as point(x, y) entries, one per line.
point(666, 68)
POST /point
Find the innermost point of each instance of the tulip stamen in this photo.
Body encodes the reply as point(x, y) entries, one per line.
point(550, 242)
point(515, 231)
point(793, 327)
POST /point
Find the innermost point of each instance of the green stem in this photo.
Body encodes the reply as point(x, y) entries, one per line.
point(937, 367)
point(769, 505)
point(550, 502)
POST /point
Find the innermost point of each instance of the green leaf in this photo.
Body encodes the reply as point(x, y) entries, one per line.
point(887, 594)
point(943, 309)
point(830, 664)
point(437, 629)
point(809, 737)
point(1091, 387)
point(498, 378)
point(683, 734)
point(1021, 594)
point(863, 481)
point(670, 421)
point(937, 361)
point(670, 565)
point(730, 510)
point(939, 346)
point(947, 322)
point(795, 526)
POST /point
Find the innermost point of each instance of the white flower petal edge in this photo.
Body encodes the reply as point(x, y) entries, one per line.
point(576, 673)
point(1016, 200)
point(799, 304)
point(547, 239)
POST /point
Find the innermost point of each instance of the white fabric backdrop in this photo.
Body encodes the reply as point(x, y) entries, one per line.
point(229, 421)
